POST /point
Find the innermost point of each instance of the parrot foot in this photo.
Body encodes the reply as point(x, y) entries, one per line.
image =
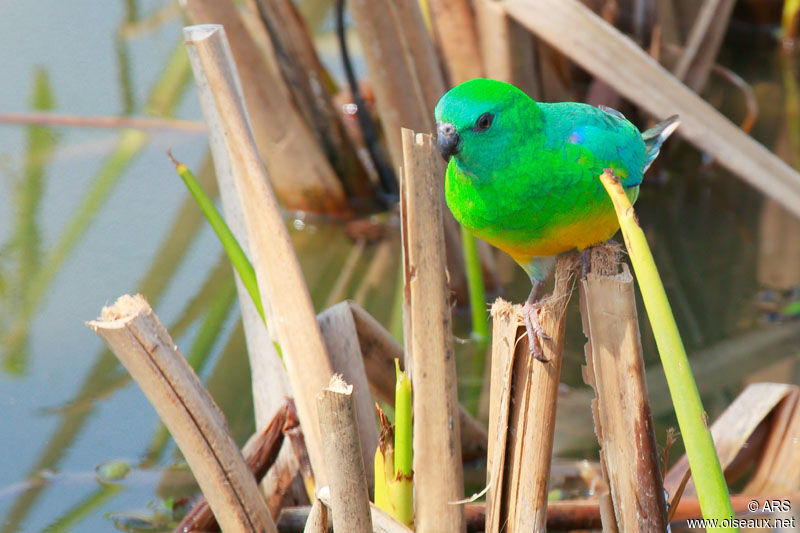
point(535, 331)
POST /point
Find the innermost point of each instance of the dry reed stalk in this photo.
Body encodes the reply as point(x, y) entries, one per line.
point(402, 65)
point(143, 346)
point(438, 470)
point(341, 340)
point(733, 430)
point(49, 118)
point(379, 350)
point(297, 60)
point(302, 176)
point(317, 521)
point(605, 52)
point(507, 49)
point(504, 340)
point(343, 458)
point(422, 60)
point(259, 453)
point(778, 471)
point(383, 265)
point(704, 42)
point(280, 280)
point(407, 81)
point(669, 28)
point(270, 383)
point(615, 370)
point(339, 289)
point(454, 27)
point(522, 410)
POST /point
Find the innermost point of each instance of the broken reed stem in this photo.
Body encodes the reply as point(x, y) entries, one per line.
point(622, 418)
point(143, 346)
point(280, 280)
point(438, 471)
point(341, 340)
point(522, 410)
point(706, 471)
point(347, 477)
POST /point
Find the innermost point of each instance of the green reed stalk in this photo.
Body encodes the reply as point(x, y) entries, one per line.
point(400, 492)
point(237, 256)
point(394, 479)
point(479, 316)
point(712, 491)
point(475, 286)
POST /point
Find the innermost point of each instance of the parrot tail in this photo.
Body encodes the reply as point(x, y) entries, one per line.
point(655, 137)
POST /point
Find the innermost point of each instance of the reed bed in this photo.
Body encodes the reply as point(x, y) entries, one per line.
point(266, 98)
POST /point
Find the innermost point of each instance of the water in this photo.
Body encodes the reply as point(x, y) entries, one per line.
point(67, 407)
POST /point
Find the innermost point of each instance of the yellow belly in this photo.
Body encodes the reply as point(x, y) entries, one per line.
point(562, 239)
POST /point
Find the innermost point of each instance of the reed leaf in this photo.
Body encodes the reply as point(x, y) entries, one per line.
point(235, 253)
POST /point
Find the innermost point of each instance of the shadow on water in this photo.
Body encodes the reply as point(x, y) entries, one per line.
point(707, 230)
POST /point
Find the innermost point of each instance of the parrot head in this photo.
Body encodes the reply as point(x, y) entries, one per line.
point(481, 123)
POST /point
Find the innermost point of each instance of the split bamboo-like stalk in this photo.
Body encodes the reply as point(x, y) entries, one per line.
point(279, 277)
point(379, 350)
point(438, 470)
point(454, 27)
point(522, 410)
point(615, 370)
point(602, 50)
point(144, 347)
point(347, 478)
point(302, 176)
point(341, 340)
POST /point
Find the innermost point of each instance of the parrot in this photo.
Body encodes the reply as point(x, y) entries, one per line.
point(524, 175)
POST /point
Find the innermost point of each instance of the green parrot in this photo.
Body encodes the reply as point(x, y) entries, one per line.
point(524, 175)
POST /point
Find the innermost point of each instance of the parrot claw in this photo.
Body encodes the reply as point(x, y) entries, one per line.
point(535, 332)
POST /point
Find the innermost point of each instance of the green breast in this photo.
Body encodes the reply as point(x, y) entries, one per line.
point(549, 191)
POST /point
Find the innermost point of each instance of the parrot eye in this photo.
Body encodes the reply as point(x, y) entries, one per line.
point(483, 122)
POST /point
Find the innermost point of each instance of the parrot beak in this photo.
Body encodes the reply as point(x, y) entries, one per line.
point(447, 140)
